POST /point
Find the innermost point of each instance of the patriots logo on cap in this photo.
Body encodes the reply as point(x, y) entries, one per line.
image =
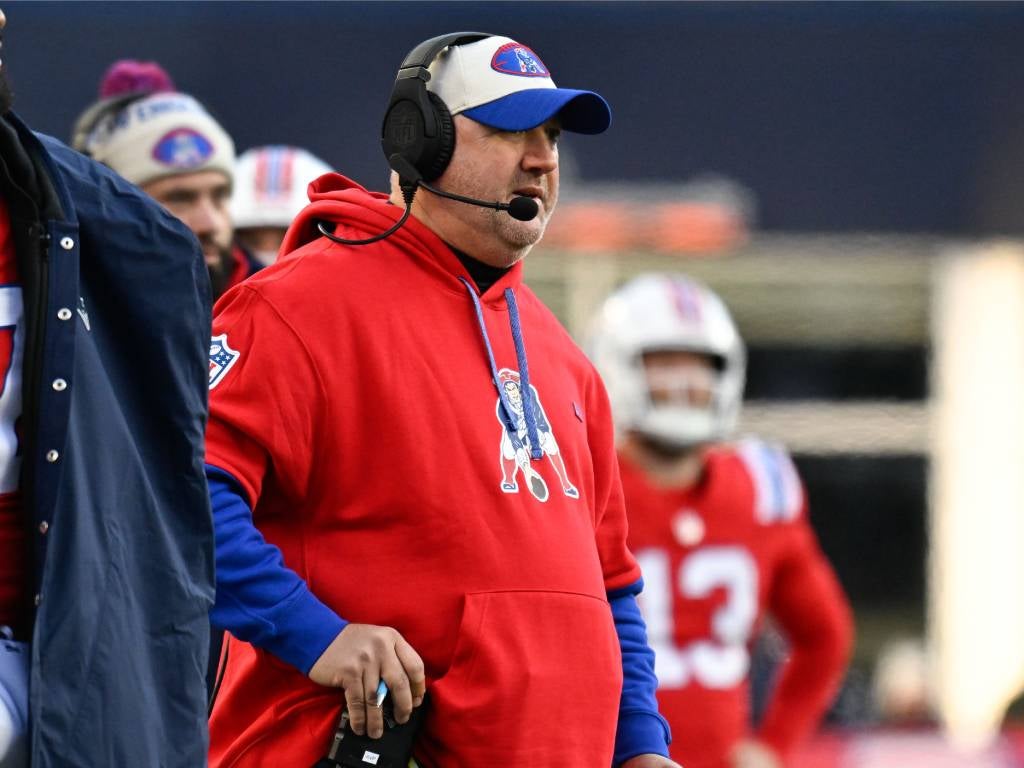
point(517, 59)
point(222, 357)
point(182, 148)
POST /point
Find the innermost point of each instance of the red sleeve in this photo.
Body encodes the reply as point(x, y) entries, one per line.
point(617, 562)
point(809, 605)
point(265, 406)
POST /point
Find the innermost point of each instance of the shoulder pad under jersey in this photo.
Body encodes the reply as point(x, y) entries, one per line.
point(778, 492)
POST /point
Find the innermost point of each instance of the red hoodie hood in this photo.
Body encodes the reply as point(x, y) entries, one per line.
point(359, 213)
point(336, 198)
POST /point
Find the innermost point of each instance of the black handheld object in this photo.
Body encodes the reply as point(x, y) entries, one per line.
point(392, 750)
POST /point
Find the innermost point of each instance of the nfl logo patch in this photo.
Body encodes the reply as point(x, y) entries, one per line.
point(222, 357)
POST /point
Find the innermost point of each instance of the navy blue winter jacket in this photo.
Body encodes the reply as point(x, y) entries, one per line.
point(117, 305)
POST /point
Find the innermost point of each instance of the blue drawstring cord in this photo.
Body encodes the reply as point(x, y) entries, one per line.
point(524, 373)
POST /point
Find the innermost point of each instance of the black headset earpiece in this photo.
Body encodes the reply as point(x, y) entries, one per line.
point(418, 127)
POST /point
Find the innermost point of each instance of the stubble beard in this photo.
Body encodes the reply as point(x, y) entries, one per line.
point(516, 237)
point(220, 272)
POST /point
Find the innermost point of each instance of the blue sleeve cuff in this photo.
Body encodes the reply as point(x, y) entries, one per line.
point(259, 599)
point(633, 589)
point(305, 627)
point(641, 729)
point(640, 733)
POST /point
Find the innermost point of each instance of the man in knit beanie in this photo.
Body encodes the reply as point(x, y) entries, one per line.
point(166, 143)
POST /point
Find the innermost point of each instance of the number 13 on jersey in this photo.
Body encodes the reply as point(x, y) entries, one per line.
point(720, 660)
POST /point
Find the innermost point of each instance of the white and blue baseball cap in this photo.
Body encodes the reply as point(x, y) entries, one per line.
point(501, 83)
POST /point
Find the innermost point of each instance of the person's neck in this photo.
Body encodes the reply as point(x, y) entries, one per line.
point(484, 275)
point(680, 471)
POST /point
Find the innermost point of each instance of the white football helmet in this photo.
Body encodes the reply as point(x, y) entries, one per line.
point(667, 312)
point(270, 185)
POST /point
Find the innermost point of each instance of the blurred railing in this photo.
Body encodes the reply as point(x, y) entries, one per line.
point(813, 291)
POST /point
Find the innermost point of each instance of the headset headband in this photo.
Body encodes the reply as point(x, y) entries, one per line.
point(423, 55)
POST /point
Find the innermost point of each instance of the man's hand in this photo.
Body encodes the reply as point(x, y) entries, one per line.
point(649, 761)
point(357, 660)
point(754, 754)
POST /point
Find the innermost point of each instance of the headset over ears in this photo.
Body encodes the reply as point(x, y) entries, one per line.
point(418, 131)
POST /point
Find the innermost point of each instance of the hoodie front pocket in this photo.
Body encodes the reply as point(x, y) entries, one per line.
point(535, 681)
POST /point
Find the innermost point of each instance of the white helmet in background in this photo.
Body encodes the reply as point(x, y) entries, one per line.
point(663, 312)
point(270, 185)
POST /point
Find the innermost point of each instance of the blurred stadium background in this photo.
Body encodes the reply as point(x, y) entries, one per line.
point(848, 176)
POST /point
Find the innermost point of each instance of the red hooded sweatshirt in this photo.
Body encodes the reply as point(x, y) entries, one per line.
point(359, 417)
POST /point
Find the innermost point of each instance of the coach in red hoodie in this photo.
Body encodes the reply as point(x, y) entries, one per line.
point(412, 465)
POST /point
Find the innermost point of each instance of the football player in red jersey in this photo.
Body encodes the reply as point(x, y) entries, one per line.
point(720, 530)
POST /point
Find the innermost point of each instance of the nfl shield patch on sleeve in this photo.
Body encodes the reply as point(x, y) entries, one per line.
point(222, 357)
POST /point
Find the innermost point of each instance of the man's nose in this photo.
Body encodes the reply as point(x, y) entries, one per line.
point(541, 153)
point(204, 218)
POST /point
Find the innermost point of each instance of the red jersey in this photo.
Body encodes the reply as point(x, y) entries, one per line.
point(716, 558)
point(14, 568)
point(353, 400)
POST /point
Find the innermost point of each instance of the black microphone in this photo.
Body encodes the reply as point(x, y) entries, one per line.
point(521, 207)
